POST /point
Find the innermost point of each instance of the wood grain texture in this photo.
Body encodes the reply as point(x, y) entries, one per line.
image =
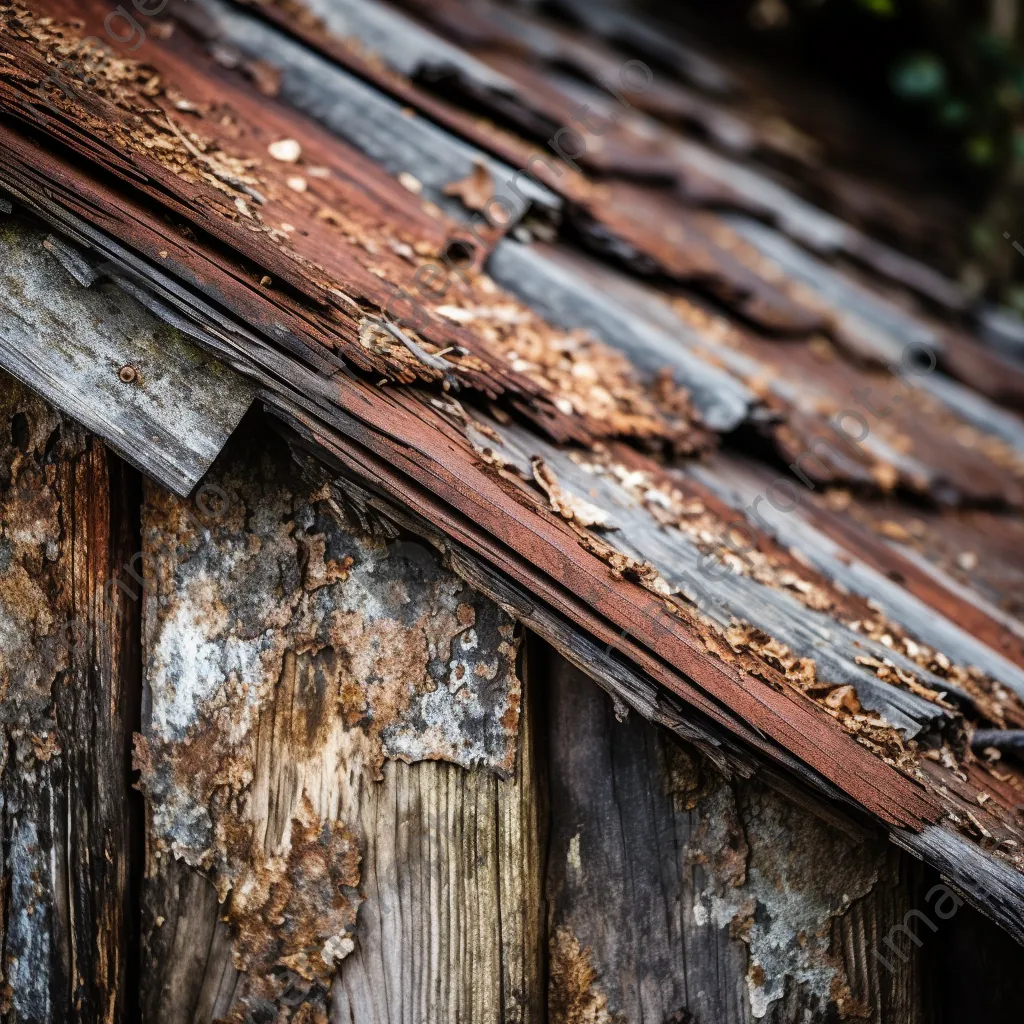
point(402, 441)
point(449, 929)
point(568, 300)
point(363, 651)
point(75, 341)
point(68, 667)
point(741, 481)
point(373, 123)
point(675, 896)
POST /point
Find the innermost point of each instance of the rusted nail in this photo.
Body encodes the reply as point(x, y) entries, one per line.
point(128, 374)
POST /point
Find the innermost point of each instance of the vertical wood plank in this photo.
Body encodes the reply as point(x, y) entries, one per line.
point(677, 895)
point(365, 650)
point(68, 651)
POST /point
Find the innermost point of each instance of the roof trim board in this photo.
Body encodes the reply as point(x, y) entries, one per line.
point(70, 333)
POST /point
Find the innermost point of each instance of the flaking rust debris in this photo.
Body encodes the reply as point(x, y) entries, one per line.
point(30, 526)
point(286, 654)
point(133, 88)
point(774, 567)
point(475, 190)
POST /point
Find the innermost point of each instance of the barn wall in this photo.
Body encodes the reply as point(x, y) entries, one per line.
point(368, 800)
point(678, 895)
point(333, 741)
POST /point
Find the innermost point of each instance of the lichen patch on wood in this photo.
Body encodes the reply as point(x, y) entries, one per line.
point(574, 991)
point(777, 873)
point(287, 653)
point(297, 910)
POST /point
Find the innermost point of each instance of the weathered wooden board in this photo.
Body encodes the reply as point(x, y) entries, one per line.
point(568, 300)
point(894, 333)
point(69, 661)
point(402, 434)
point(803, 386)
point(984, 881)
point(740, 483)
point(283, 760)
point(451, 921)
point(726, 595)
point(373, 123)
point(675, 895)
point(1003, 330)
point(406, 45)
point(636, 32)
point(984, 603)
point(710, 177)
point(101, 357)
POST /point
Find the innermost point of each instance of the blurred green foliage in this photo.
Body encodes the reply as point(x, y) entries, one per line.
point(966, 73)
point(952, 73)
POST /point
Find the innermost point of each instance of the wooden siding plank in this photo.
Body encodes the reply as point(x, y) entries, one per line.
point(358, 688)
point(68, 698)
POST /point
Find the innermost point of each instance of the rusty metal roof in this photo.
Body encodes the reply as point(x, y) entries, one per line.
point(749, 464)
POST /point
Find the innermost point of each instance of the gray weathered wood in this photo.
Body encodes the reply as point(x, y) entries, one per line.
point(677, 896)
point(739, 483)
point(637, 33)
point(883, 324)
point(987, 883)
point(726, 596)
point(817, 229)
point(405, 44)
point(890, 330)
point(568, 300)
point(1003, 330)
point(102, 358)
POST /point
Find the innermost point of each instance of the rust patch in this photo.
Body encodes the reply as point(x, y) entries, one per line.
point(297, 911)
point(678, 504)
point(133, 87)
point(565, 503)
point(347, 239)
